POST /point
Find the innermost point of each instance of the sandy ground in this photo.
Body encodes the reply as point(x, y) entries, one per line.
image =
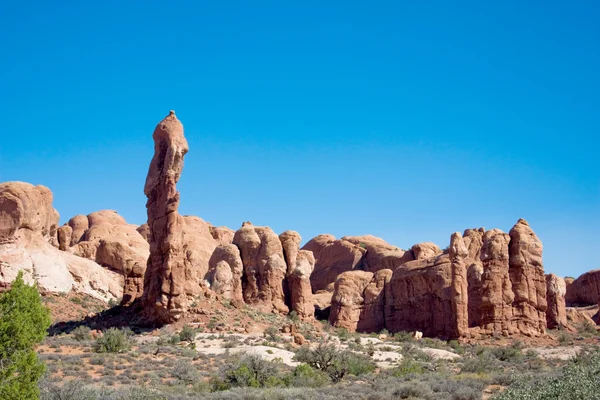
point(559, 353)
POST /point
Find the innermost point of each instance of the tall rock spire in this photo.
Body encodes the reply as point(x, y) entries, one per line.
point(164, 295)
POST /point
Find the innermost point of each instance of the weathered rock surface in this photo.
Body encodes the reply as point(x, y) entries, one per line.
point(264, 267)
point(528, 280)
point(222, 234)
point(111, 242)
point(290, 241)
point(301, 297)
point(458, 253)
point(28, 230)
point(229, 255)
point(556, 313)
point(372, 317)
point(497, 295)
point(585, 290)
point(348, 299)
point(425, 250)
point(165, 280)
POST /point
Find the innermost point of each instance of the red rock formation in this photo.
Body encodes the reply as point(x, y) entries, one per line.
point(165, 280)
point(556, 313)
point(425, 250)
point(372, 316)
point(264, 267)
point(458, 253)
point(111, 242)
point(222, 234)
point(301, 297)
point(528, 280)
point(497, 295)
point(585, 290)
point(228, 255)
point(473, 239)
point(380, 254)
point(290, 241)
point(28, 229)
point(419, 297)
point(347, 302)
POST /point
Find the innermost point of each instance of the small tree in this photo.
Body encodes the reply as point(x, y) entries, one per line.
point(24, 322)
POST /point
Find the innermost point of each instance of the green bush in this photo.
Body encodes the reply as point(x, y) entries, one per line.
point(579, 380)
point(306, 376)
point(82, 333)
point(113, 341)
point(24, 322)
point(249, 370)
point(335, 362)
point(187, 334)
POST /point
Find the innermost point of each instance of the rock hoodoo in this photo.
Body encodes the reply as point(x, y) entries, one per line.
point(165, 280)
point(556, 315)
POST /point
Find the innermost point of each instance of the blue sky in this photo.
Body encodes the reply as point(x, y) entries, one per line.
point(405, 120)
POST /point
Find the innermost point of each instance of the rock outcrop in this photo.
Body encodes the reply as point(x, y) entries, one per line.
point(28, 241)
point(227, 255)
point(458, 252)
point(348, 299)
point(528, 280)
point(264, 267)
point(585, 290)
point(301, 297)
point(106, 238)
point(556, 313)
point(165, 280)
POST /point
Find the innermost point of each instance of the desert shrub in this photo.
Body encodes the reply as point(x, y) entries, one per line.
point(306, 376)
point(507, 354)
point(82, 333)
point(293, 315)
point(113, 341)
point(272, 333)
point(24, 322)
point(249, 370)
point(185, 372)
point(406, 367)
point(187, 334)
point(335, 362)
point(579, 380)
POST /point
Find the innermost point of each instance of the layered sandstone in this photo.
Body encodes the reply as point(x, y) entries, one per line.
point(585, 290)
point(228, 285)
point(264, 267)
point(458, 253)
point(556, 313)
point(298, 280)
point(165, 280)
point(348, 299)
point(28, 230)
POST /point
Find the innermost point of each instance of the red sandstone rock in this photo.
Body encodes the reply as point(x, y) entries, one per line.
point(458, 253)
point(585, 290)
point(264, 267)
point(372, 318)
point(28, 229)
point(497, 294)
point(164, 284)
point(556, 313)
point(222, 234)
point(347, 302)
point(528, 280)
point(422, 251)
point(290, 241)
point(301, 297)
point(228, 254)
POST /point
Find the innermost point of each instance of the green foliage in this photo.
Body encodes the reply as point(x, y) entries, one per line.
point(333, 361)
point(24, 322)
point(113, 341)
point(82, 333)
point(579, 380)
point(249, 370)
point(272, 333)
point(187, 334)
point(293, 315)
point(306, 376)
point(407, 367)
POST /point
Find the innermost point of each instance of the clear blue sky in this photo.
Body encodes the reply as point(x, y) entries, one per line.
point(405, 120)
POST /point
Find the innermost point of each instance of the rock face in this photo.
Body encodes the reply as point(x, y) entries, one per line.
point(486, 282)
point(106, 238)
point(458, 253)
point(165, 279)
point(28, 230)
point(366, 253)
point(301, 297)
point(528, 280)
point(348, 299)
point(585, 290)
point(222, 234)
point(290, 241)
point(556, 313)
point(264, 267)
point(227, 255)
point(497, 295)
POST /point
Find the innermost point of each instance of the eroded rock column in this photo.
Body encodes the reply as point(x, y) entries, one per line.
point(460, 286)
point(164, 281)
